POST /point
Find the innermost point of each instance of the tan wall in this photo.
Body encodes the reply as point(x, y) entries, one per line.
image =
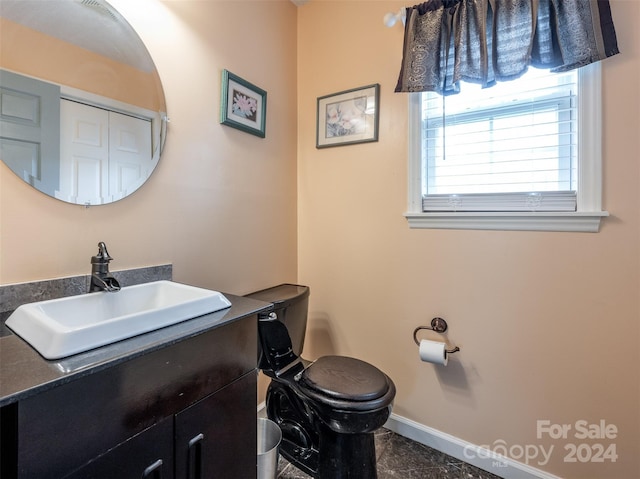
point(222, 204)
point(533, 312)
point(33, 53)
point(548, 323)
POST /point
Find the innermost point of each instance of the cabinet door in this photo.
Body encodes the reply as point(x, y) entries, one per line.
point(216, 437)
point(148, 454)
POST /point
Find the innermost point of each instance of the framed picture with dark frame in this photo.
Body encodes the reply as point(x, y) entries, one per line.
point(348, 117)
point(243, 105)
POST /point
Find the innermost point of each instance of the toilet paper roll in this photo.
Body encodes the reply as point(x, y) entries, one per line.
point(433, 352)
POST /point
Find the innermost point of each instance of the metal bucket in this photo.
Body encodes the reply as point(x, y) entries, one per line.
point(269, 437)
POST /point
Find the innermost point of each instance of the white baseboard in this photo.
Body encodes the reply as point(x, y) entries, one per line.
point(470, 453)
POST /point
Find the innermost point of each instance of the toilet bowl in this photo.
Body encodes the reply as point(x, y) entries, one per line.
point(327, 409)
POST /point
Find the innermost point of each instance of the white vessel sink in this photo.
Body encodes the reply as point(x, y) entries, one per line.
point(61, 327)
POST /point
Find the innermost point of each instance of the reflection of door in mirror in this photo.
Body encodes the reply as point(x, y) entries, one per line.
point(30, 129)
point(84, 154)
point(130, 158)
point(105, 155)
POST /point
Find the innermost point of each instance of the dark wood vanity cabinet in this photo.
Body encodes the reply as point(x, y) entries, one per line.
point(186, 410)
point(206, 440)
point(148, 454)
point(206, 448)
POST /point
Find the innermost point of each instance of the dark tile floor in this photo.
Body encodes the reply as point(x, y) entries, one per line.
point(402, 458)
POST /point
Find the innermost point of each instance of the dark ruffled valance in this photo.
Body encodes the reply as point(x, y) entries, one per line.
point(484, 41)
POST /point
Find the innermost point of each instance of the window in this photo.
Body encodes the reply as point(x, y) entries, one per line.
point(521, 155)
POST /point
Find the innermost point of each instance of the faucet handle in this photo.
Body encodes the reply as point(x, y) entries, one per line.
point(103, 254)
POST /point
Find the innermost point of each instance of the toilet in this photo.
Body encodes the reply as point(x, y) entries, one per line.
point(327, 409)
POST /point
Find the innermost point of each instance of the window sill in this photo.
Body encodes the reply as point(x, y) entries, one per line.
point(583, 222)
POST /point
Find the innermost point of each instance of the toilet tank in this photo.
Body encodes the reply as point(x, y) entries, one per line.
point(291, 304)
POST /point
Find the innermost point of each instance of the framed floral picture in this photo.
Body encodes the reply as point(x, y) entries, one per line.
point(348, 117)
point(243, 105)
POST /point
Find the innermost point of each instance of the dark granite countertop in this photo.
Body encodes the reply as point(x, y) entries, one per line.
point(24, 372)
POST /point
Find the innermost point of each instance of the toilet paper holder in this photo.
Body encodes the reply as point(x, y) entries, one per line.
point(438, 325)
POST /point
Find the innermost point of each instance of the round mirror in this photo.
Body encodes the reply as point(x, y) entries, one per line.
point(82, 111)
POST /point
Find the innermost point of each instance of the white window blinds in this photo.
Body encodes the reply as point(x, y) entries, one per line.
point(512, 147)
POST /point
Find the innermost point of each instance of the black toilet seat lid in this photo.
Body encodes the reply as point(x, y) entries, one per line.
point(342, 377)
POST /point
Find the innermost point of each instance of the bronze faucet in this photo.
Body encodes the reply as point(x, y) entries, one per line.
point(101, 278)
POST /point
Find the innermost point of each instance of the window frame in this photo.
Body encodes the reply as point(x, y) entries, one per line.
point(588, 214)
